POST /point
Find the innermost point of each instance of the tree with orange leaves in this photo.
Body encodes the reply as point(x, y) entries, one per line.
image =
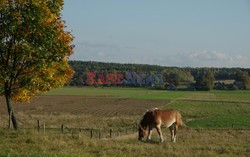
point(34, 49)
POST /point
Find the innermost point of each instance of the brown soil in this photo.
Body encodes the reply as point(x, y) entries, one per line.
point(83, 105)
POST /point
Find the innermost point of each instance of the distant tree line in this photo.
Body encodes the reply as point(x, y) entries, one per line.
point(199, 78)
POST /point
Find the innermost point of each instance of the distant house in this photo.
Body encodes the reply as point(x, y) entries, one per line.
point(191, 87)
point(171, 87)
point(239, 84)
point(219, 86)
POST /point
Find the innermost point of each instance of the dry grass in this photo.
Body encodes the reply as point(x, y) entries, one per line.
point(72, 121)
point(79, 105)
point(189, 143)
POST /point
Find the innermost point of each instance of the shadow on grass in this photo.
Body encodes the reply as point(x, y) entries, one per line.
point(151, 142)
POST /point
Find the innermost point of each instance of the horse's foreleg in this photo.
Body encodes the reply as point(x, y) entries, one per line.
point(158, 128)
point(149, 133)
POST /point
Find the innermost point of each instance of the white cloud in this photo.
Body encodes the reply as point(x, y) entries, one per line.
point(101, 54)
point(209, 59)
point(125, 54)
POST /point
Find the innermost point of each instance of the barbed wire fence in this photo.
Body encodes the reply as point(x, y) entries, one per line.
point(108, 133)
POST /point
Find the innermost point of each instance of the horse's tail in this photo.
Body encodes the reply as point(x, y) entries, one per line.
point(179, 121)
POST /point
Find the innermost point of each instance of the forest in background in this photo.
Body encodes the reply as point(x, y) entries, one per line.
point(199, 78)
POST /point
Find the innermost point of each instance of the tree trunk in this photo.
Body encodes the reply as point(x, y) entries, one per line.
point(10, 110)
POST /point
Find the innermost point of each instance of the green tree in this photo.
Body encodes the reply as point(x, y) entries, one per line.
point(173, 78)
point(34, 49)
point(205, 81)
point(243, 77)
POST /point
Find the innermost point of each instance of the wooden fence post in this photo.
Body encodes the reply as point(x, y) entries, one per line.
point(99, 134)
point(91, 133)
point(110, 133)
point(38, 125)
point(44, 127)
point(62, 128)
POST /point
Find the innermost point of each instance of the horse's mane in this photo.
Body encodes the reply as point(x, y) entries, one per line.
point(147, 116)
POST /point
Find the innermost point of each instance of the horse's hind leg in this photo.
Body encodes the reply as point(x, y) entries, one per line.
point(175, 132)
point(158, 128)
point(172, 128)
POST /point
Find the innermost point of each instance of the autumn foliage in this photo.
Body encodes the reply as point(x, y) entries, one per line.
point(34, 48)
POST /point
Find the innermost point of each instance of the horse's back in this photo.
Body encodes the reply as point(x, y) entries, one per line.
point(168, 117)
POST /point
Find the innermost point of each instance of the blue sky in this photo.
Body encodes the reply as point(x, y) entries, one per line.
point(195, 33)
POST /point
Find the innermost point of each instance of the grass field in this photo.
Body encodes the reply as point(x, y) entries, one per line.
point(104, 108)
point(135, 93)
point(207, 143)
point(215, 109)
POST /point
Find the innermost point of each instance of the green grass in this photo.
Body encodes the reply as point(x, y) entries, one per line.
point(214, 109)
point(163, 95)
point(144, 93)
point(236, 96)
point(241, 95)
point(116, 92)
point(137, 93)
point(205, 114)
point(227, 121)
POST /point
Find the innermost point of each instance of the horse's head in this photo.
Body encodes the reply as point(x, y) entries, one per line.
point(142, 132)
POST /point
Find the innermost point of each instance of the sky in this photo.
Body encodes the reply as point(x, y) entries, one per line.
point(184, 33)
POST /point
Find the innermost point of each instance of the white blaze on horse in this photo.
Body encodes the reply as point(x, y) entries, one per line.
point(155, 119)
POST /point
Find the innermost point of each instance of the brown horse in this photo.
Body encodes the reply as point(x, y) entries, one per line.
point(155, 119)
